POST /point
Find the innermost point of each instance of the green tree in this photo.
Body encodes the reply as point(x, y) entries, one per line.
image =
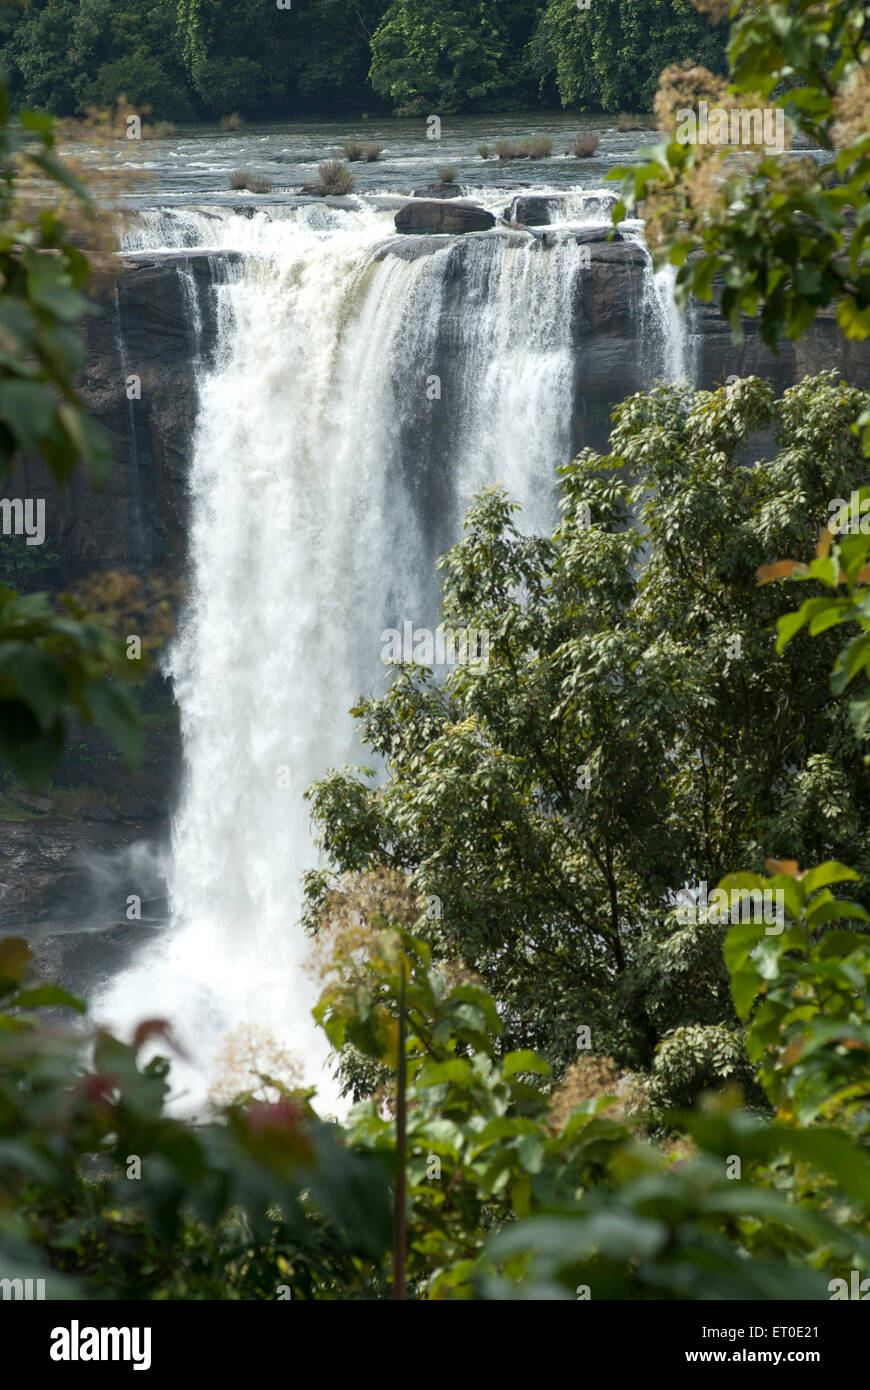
point(328, 62)
point(262, 62)
point(508, 1191)
point(609, 56)
point(793, 1219)
point(264, 1176)
point(571, 1184)
point(430, 56)
point(634, 731)
point(134, 52)
point(41, 56)
point(64, 56)
point(53, 660)
point(786, 236)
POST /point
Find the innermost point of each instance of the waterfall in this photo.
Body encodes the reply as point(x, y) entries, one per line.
point(194, 310)
point(664, 322)
point(516, 373)
point(359, 395)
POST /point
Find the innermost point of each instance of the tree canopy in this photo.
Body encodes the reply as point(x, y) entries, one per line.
point(200, 59)
point(634, 732)
point(786, 236)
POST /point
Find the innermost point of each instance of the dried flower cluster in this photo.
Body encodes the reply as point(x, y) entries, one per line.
point(358, 918)
point(249, 1054)
point(715, 10)
point(592, 1078)
point(852, 109)
point(124, 602)
point(682, 87)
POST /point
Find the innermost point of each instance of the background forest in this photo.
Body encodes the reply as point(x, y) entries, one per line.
point(203, 59)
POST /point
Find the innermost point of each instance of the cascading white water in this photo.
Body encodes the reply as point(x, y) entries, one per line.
point(664, 323)
point(309, 535)
point(663, 328)
point(517, 372)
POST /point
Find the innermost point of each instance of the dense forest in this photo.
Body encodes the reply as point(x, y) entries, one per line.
point(191, 60)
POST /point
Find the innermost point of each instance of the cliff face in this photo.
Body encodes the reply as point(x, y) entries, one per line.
point(157, 323)
point(140, 383)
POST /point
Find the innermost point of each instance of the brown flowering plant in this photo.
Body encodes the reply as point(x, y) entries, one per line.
point(777, 234)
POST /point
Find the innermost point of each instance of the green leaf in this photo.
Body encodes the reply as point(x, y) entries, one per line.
point(825, 874)
point(112, 707)
point(525, 1061)
point(28, 410)
point(45, 996)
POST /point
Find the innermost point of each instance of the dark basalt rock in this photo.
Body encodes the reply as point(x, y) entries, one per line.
point(435, 215)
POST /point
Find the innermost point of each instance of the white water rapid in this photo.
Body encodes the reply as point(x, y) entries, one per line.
point(324, 483)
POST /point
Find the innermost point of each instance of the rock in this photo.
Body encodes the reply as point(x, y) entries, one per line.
point(64, 886)
point(100, 812)
point(508, 235)
point(600, 204)
point(605, 240)
point(438, 190)
point(529, 209)
point(314, 194)
point(316, 191)
point(206, 260)
point(436, 215)
point(34, 803)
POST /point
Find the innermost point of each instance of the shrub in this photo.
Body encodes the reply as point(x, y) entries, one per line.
point(372, 152)
point(353, 150)
point(537, 147)
point(223, 1209)
point(485, 151)
point(253, 183)
point(626, 122)
point(232, 122)
point(162, 130)
point(447, 173)
point(335, 177)
point(584, 146)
